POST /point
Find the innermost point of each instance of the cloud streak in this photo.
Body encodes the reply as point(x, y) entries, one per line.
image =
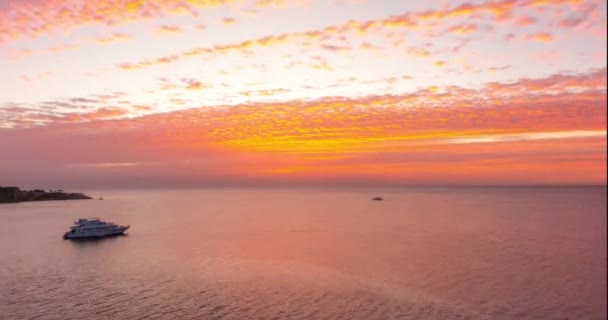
point(426, 20)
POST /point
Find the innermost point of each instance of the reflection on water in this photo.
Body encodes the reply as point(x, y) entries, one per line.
point(94, 241)
point(305, 253)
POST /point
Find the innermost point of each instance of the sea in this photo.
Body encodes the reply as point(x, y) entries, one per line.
point(311, 253)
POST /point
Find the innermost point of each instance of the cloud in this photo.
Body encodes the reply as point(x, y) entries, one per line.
point(430, 23)
point(527, 137)
point(493, 69)
point(541, 37)
point(421, 52)
point(114, 37)
point(369, 46)
point(73, 110)
point(148, 63)
point(17, 21)
point(141, 108)
point(228, 21)
point(462, 29)
point(105, 165)
point(509, 36)
point(85, 100)
point(270, 3)
point(320, 63)
point(526, 20)
point(335, 136)
point(192, 84)
point(36, 77)
point(331, 47)
point(526, 99)
point(571, 22)
point(33, 18)
point(99, 114)
point(508, 131)
point(168, 29)
point(64, 47)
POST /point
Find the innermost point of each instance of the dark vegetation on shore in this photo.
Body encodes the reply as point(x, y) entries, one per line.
point(15, 194)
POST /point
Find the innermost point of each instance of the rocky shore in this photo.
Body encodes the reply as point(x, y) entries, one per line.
point(15, 194)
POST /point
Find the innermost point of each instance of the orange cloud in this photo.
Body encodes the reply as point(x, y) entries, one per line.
point(552, 2)
point(127, 66)
point(141, 108)
point(461, 29)
point(496, 8)
point(17, 22)
point(541, 36)
point(270, 3)
point(508, 132)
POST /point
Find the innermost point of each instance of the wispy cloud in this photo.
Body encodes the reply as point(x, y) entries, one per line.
point(114, 37)
point(168, 29)
point(527, 137)
point(105, 165)
point(526, 20)
point(228, 21)
point(466, 28)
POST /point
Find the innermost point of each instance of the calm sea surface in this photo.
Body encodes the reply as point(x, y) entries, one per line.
point(311, 253)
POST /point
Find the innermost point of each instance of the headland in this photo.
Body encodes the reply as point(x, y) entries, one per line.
point(15, 194)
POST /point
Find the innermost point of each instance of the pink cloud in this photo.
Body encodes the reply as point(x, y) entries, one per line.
point(526, 20)
point(571, 22)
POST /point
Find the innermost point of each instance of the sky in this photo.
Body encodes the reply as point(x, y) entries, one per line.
point(134, 93)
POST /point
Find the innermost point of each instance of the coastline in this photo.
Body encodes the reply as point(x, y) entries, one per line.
point(15, 195)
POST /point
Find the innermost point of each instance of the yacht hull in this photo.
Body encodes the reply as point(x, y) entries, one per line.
point(96, 234)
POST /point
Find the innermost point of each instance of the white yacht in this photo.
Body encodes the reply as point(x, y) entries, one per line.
point(93, 227)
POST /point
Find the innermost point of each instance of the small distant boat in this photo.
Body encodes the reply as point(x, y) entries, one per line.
point(100, 198)
point(93, 228)
point(377, 199)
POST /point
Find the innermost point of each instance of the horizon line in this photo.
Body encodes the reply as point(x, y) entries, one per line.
point(248, 186)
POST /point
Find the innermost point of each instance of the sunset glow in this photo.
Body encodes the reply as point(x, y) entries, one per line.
point(344, 92)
